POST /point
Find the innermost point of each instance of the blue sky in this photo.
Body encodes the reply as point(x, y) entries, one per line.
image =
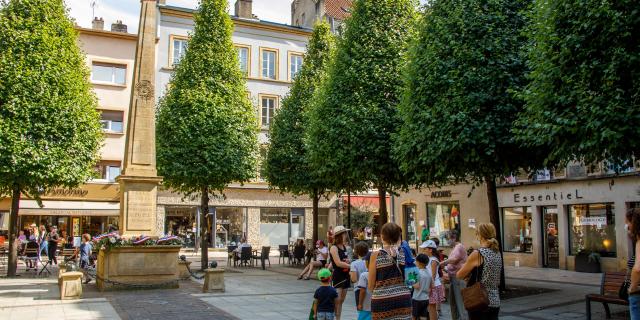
point(128, 10)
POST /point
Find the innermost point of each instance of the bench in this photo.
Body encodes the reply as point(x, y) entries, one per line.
point(609, 290)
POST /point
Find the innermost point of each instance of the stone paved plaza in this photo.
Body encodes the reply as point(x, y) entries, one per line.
point(274, 293)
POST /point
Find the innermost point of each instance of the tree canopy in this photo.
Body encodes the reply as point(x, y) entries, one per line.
point(287, 164)
point(354, 113)
point(206, 125)
point(459, 104)
point(583, 100)
point(50, 132)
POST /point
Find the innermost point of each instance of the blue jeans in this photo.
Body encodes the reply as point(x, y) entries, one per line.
point(634, 306)
point(44, 246)
point(455, 298)
point(326, 316)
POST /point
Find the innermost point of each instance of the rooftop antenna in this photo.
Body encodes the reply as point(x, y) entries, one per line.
point(93, 4)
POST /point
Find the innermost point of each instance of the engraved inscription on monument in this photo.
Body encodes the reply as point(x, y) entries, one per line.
point(141, 210)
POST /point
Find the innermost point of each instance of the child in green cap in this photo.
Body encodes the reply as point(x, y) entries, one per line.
point(324, 307)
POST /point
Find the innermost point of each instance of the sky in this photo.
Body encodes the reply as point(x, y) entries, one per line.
point(129, 11)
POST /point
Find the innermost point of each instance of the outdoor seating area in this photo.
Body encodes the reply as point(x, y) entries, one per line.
point(296, 254)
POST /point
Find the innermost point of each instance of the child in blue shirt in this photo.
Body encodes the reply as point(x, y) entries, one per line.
point(364, 295)
point(324, 307)
point(420, 297)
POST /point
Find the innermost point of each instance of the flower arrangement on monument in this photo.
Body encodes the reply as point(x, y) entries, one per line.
point(111, 240)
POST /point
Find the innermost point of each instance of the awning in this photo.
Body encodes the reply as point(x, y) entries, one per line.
point(68, 212)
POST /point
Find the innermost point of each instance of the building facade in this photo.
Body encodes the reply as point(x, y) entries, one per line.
point(270, 55)
point(305, 13)
point(94, 207)
point(547, 220)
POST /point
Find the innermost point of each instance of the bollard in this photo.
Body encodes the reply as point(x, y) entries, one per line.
point(183, 269)
point(70, 284)
point(213, 280)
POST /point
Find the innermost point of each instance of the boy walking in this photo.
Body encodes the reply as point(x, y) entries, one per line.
point(420, 298)
point(324, 307)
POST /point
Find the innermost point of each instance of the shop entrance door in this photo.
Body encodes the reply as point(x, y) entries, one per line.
point(550, 239)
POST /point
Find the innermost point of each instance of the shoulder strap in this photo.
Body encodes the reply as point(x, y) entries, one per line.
point(480, 264)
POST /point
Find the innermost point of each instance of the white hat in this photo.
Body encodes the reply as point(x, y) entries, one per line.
point(429, 244)
point(339, 229)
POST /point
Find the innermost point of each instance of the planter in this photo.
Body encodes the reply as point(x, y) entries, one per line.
point(585, 264)
point(153, 266)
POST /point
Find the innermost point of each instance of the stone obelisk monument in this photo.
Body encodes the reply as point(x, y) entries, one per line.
point(139, 179)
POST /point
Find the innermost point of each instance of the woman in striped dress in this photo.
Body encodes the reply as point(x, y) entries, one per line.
point(390, 298)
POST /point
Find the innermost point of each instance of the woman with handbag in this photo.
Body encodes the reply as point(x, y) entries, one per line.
point(633, 273)
point(482, 295)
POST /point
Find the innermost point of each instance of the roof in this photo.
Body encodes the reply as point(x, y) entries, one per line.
point(107, 33)
point(256, 23)
point(338, 9)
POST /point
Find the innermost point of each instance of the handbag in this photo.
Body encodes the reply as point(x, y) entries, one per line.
point(623, 293)
point(475, 297)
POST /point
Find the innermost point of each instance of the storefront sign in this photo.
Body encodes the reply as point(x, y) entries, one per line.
point(524, 198)
point(441, 194)
point(593, 221)
point(60, 192)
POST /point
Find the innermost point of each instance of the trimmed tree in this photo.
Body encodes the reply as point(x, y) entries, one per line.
point(287, 165)
point(50, 132)
point(459, 107)
point(206, 126)
point(355, 111)
point(583, 100)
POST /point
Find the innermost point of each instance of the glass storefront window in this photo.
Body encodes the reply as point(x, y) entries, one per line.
point(517, 229)
point(410, 221)
point(297, 223)
point(592, 228)
point(274, 226)
point(181, 222)
point(229, 226)
point(443, 217)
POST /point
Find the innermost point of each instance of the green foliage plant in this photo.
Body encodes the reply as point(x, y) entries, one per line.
point(583, 99)
point(287, 165)
point(50, 132)
point(206, 125)
point(460, 104)
point(355, 111)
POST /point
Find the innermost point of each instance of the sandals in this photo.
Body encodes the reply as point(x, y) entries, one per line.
point(306, 278)
point(299, 277)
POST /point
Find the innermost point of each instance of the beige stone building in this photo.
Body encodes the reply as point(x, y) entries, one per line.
point(304, 13)
point(94, 207)
point(547, 220)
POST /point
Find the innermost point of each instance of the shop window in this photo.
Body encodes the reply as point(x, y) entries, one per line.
point(443, 217)
point(592, 229)
point(111, 121)
point(274, 226)
point(297, 223)
point(229, 226)
point(516, 224)
point(108, 73)
point(409, 222)
point(181, 222)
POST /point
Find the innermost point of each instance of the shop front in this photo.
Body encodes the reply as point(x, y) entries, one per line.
point(252, 212)
point(550, 224)
point(91, 208)
point(439, 211)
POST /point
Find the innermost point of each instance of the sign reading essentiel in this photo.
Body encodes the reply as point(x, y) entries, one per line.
point(518, 197)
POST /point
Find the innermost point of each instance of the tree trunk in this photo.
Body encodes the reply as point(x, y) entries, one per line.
point(494, 216)
point(204, 212)
point(348, 208)
point(13, 231)
point(316, 199)
point(382, 211)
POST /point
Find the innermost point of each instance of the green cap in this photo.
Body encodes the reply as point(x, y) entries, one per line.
point(324, 274)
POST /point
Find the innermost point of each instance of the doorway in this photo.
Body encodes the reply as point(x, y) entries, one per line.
point(550, 242)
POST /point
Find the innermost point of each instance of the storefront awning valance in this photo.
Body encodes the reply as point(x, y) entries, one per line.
point(68, 212)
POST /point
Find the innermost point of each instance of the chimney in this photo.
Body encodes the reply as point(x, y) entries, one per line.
point(119, 27)
point(97, 23)
point(244, 9)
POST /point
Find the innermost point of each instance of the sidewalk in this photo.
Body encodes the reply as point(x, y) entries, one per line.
point(275, 293)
